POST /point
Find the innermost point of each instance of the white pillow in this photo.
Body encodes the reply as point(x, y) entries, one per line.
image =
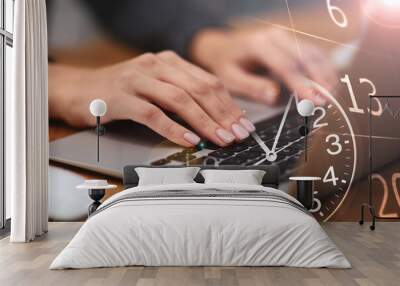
point(165, 176)
point(247, 177)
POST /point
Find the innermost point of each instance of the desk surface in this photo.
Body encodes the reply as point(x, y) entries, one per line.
point(58, 130)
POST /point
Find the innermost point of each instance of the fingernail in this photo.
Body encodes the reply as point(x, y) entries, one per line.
point(239, 131)
point(247, 124)
point(225, 136)
point(191, 138)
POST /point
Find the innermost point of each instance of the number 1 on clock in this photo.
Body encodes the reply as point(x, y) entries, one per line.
point(355, 108)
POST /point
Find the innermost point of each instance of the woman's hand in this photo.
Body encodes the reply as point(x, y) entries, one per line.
point(140, 88)
point(234, 55)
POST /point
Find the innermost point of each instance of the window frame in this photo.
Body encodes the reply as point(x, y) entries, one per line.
point(6, 39)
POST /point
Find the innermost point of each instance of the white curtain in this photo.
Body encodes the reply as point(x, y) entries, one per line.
point(27, 124)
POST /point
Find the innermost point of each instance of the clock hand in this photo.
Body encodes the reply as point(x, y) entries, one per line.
point(261, 161)
point(296, 100)
point(278, 135)
point(278, 151)
point(295, 141)
point(270, 156)
point(288, 145)
point(260, 142)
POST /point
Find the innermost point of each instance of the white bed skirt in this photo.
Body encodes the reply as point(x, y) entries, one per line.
point(201, 232)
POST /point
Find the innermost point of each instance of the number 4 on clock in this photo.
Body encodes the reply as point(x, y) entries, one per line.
point(330, 176)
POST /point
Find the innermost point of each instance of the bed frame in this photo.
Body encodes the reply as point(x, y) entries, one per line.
point(271, 177)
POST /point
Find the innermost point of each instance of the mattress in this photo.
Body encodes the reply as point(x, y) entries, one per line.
point(201, 225)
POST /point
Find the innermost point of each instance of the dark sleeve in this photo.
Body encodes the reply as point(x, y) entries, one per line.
point(155, 25)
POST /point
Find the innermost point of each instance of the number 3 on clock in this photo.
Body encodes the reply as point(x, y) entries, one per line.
point(334, 141)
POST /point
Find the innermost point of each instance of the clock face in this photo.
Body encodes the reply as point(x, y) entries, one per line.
point(332, 156)
point(331, 152)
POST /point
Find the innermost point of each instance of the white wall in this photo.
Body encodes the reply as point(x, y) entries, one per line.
point(70, 24)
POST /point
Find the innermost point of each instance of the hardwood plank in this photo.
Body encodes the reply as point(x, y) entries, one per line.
point(375, 257)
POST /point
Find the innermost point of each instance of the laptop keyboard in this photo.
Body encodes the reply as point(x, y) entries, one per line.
point(248, 152)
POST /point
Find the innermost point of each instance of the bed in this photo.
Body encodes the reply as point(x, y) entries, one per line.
point(201, 224)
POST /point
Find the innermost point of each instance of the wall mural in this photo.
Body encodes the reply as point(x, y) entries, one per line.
point(363, 42)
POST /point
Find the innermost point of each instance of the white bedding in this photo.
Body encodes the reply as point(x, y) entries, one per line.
point(189, 231)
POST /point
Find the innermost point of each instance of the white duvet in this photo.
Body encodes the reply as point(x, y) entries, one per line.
point(200, 231)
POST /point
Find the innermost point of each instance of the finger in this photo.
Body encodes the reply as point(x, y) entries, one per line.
point(172, 58)
point(287, 69)
point(315, 66)
point(254, 86)
point(210, 79)
point(148, 114)
point(312, 69)
point(322, 61)
point(178, 101)
point(309, 58)
point(202, 97)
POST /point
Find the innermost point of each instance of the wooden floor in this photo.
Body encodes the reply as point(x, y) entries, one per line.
point(375, 257)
